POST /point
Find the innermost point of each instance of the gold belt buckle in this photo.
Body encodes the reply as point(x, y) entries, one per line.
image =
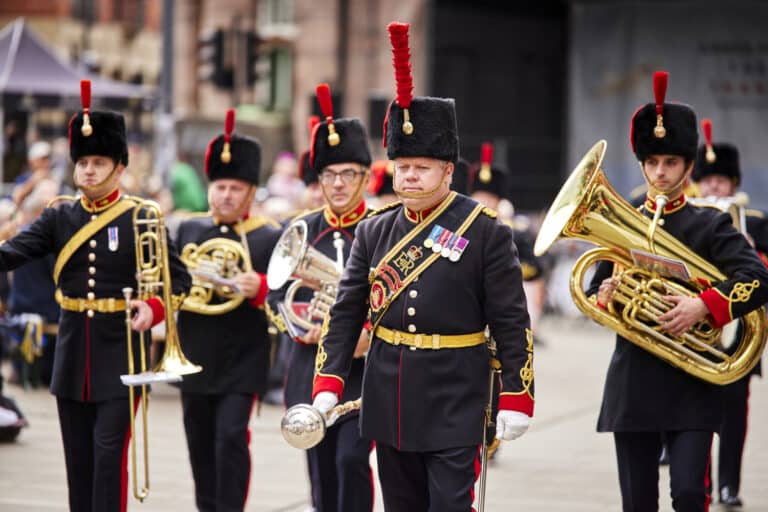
point(418, 340)
point(397, 338)
point(435, 341)
point(110, 305)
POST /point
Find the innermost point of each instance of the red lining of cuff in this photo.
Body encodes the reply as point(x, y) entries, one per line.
point(261, 296)
point(158, 310)
point(327, 383)
point(718, 306)
point(522, 403)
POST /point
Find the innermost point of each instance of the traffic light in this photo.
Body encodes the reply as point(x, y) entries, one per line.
point(252, 46)
point(216, 66)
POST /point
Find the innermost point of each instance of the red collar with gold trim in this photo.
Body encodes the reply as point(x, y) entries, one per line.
point(100, 204)
point(345, 219)
point(216, 220)
point(417, 217)
point(672, 206)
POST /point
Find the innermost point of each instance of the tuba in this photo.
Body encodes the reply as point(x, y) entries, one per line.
point(212, 265)
point(295, 259)
point(154, 278)
point(588, 208)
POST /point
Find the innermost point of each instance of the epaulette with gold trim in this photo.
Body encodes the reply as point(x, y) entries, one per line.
point(306, 213)
point(490, 212)
point(754, 213)
point(60, 199)
point(253, 223)
point(383, 209)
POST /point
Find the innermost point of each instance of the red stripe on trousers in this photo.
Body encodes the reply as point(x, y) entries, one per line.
point(124, 464)
point(248, 444)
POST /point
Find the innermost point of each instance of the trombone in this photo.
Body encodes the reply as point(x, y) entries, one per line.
point(153, 278)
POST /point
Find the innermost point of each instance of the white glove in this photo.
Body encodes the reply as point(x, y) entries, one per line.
point(511, 424)
point(324, 402)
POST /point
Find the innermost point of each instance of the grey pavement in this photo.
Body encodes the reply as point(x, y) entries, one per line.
point(561, 464)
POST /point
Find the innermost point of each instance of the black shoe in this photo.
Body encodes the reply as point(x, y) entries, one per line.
point(729, 498)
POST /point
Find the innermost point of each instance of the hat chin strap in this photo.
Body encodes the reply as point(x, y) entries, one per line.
point(655, 191)
point(417, 195)
point(353, 201)
point(244, 206)
point(90, 188)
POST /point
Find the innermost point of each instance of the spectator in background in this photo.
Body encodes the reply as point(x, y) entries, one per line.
point(284, 180)
point(31, 302)
point(187, 188)
point(38, 169)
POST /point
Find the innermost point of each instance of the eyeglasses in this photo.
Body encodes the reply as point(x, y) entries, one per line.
point(347, 176)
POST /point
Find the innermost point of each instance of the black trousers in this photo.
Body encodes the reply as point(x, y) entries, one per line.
point(217, 439)
point(441, 481)
point(96, 437)
point(733, 434)
point(638, 453)
point(340, 471)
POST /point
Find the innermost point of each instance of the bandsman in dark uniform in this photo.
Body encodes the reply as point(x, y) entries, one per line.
point(644, 396)
point(432, 272)
point(93, 238)
point(232, 346)
point(718, 175)
point(488, 186)
point(340, 473)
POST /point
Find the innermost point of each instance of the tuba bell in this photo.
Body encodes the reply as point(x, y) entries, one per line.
point(295, 259)
point(588, 208)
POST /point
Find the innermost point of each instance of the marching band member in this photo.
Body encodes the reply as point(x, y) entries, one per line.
point(644, 396)
point(93, 238)
point(718, 175)
point(340, 473)
point(233, 347)
point(433, 272)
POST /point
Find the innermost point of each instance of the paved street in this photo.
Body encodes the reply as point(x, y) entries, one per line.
point(561, 464)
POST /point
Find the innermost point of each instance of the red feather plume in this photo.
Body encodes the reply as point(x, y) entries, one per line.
point(324, 99)
point(229, 124)
point(486, 153)
point(660, 80)
point(401, 59)
point(85, 94)
point(706, 127)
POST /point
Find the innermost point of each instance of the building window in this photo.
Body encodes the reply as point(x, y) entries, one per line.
point(84, 10)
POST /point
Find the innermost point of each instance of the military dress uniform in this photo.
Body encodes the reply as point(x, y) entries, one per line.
point(425, 386)
point(645, 397)
point(340, 472)
point(723, 159)
point(233, 347)
point(94, 265)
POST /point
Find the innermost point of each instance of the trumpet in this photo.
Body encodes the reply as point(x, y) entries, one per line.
point(153, 277)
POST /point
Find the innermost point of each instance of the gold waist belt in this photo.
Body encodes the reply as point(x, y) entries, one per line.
point(430, 341)
point(107, 305)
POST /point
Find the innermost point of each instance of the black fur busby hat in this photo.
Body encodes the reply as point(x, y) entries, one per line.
point(233, 156)
point(663, 128)
point(716, 158)
point(460, 181)
point(337, 140)
point(417, 126)
point(381, 181)
point(306, 171)
point(485, 177)
point(96, 132)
